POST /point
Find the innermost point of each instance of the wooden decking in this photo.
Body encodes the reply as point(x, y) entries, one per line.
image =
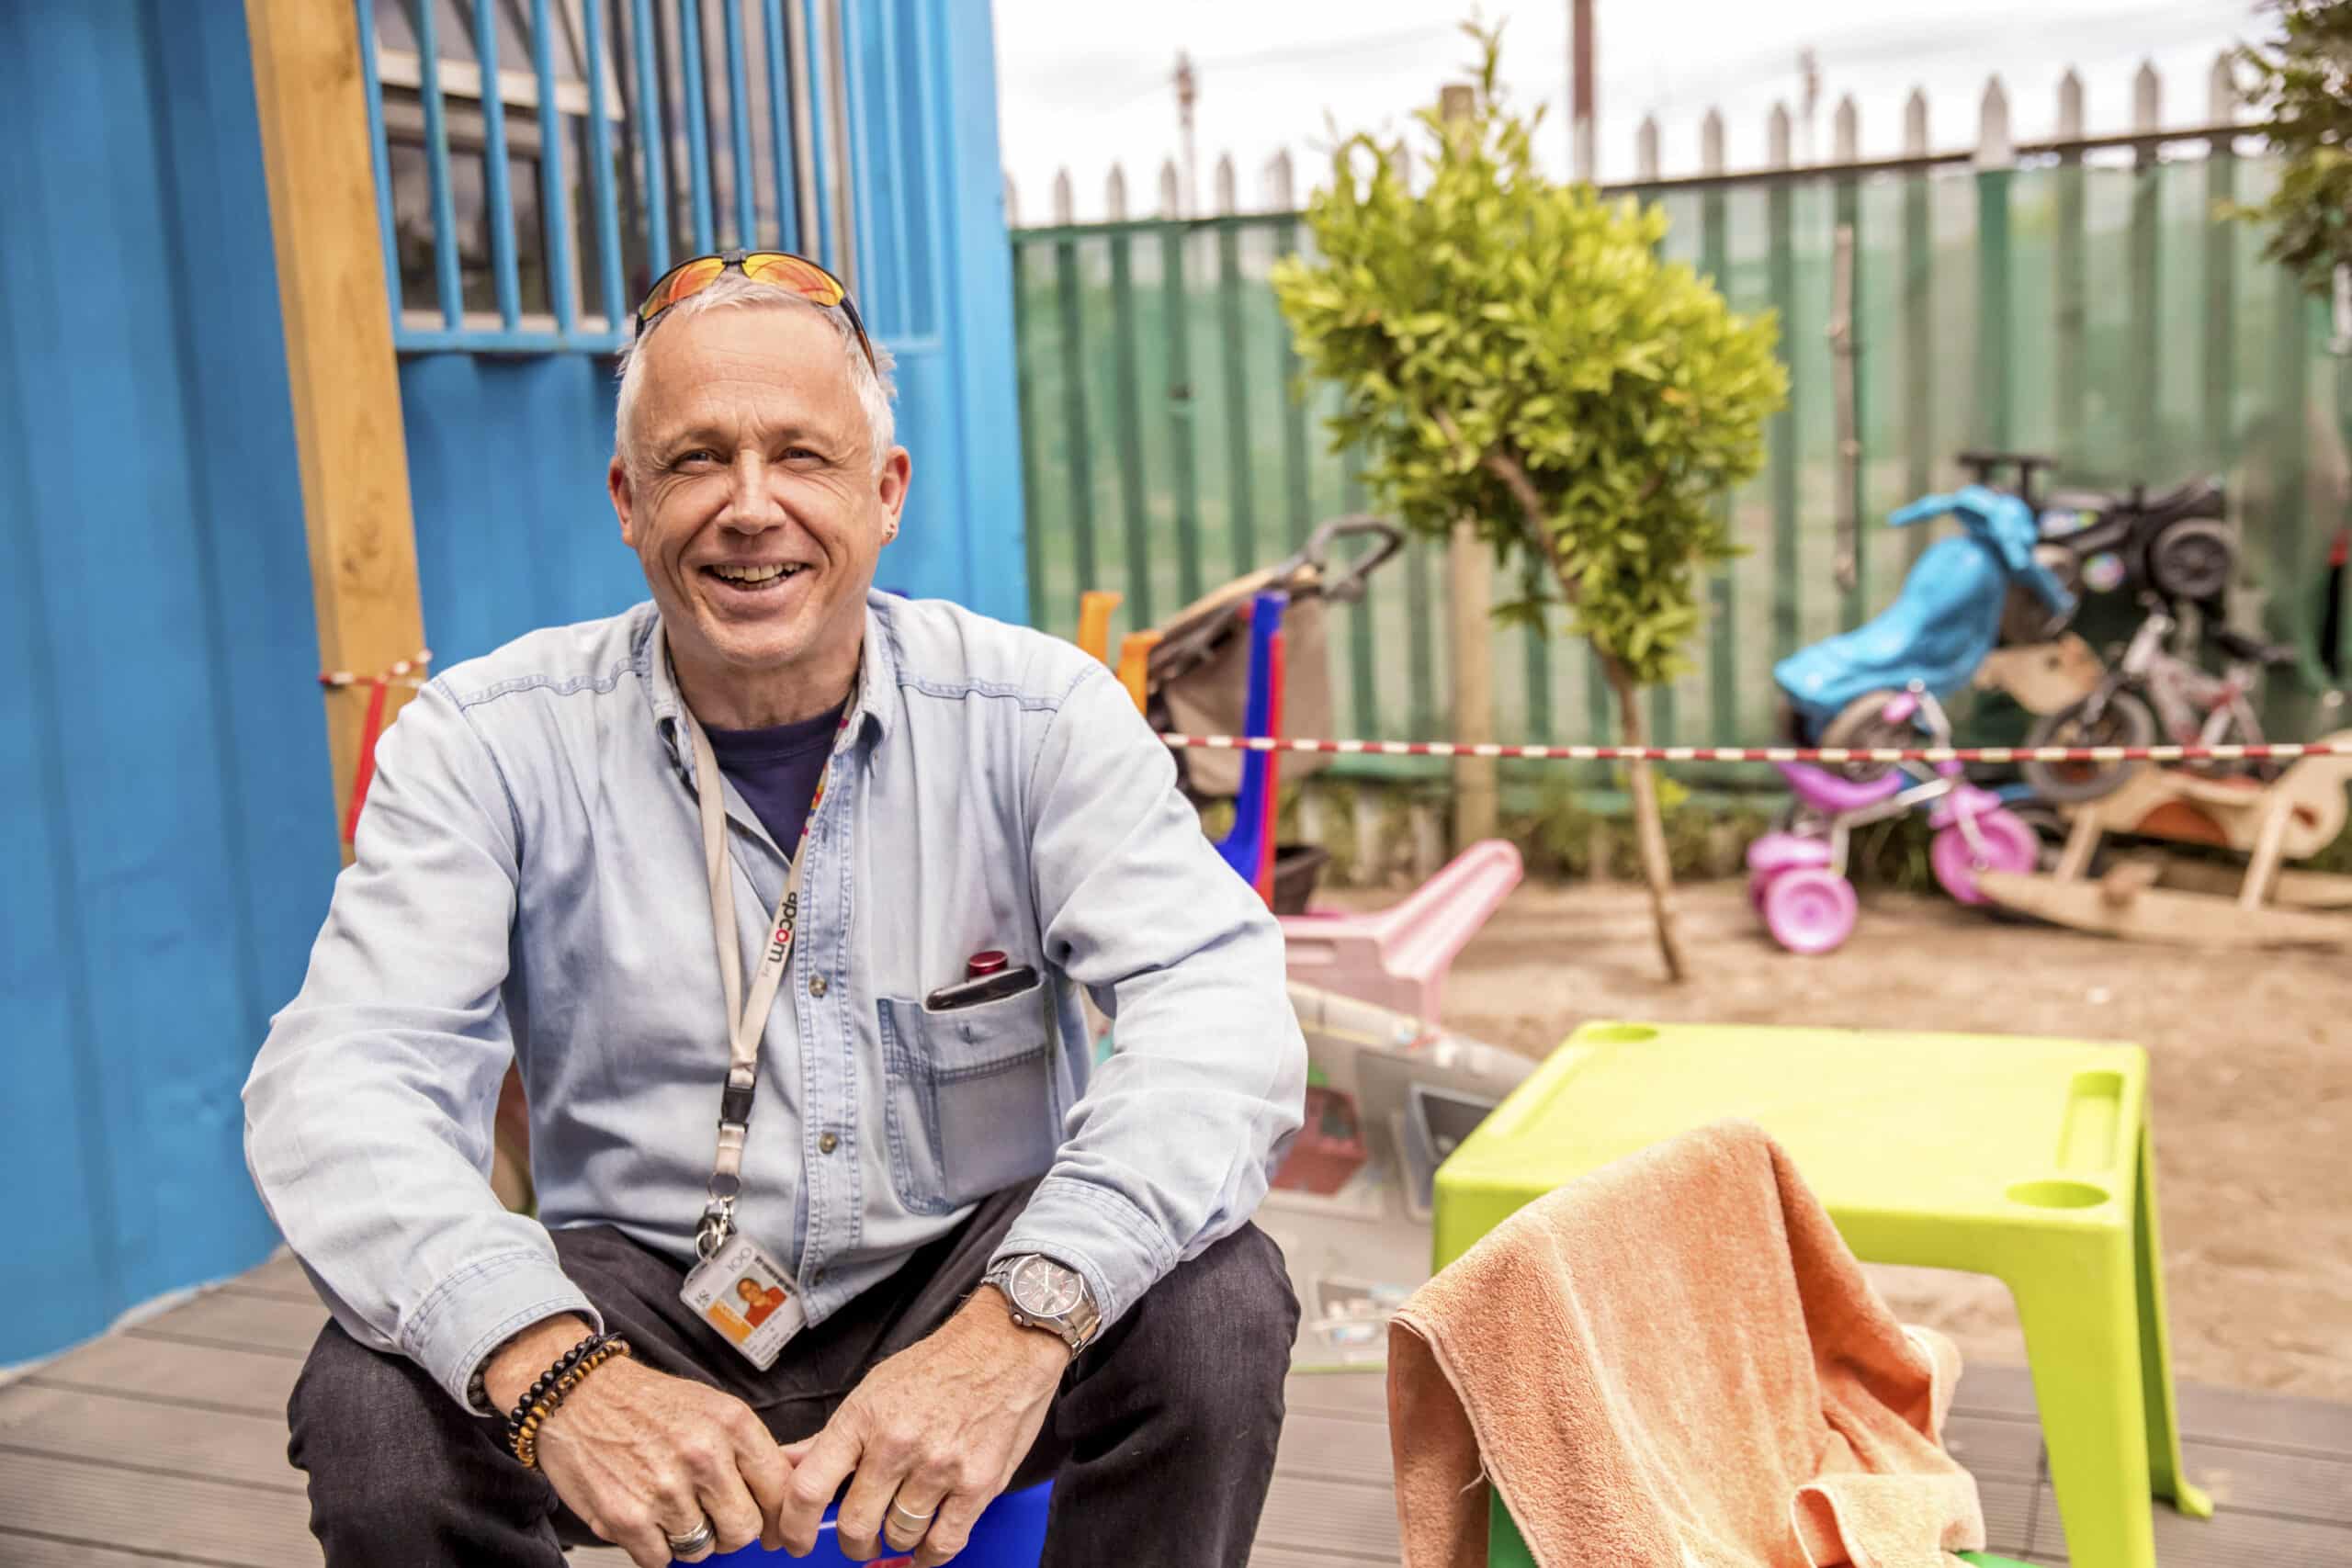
point(167, 1443)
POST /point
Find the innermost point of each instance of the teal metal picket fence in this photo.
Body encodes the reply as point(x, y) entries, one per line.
point(2081, 298)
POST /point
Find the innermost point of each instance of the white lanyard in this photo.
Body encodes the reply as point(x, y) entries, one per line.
point(747, 1018)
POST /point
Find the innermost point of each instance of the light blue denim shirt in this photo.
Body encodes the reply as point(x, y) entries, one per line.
point(529, 885)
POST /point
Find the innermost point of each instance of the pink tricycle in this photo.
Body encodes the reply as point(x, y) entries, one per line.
point(1796, 875)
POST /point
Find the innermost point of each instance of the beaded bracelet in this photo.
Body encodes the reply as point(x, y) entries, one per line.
point(525, 1438)
point(538, 1390)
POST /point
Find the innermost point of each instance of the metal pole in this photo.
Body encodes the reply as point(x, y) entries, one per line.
point(1187, 90)
point(1581, 160)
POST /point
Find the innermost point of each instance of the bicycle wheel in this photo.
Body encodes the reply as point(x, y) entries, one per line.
point(2125, 722)
point(1862, 726)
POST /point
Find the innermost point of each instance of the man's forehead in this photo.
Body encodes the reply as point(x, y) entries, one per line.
point(727, 355)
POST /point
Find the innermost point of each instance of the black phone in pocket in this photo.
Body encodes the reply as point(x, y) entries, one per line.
point(982, 989)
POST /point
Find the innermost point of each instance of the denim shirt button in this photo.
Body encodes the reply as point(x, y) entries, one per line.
point(827, 1143)
point(816, 985)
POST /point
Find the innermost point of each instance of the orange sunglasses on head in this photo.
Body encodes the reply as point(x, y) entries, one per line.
point(780, 268)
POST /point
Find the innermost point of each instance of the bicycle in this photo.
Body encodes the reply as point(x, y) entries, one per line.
point(2153, 688)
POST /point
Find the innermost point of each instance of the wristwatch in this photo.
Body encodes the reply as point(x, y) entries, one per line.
point(1043, 1293)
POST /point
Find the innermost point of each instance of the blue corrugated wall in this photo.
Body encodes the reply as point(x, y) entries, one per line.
point(168, 832)
point(168, 828)
point(506, 473)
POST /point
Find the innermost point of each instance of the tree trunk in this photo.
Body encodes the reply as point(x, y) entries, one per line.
point(1649, 828)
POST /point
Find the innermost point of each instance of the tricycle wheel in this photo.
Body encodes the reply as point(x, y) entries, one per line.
point(1809, 909)
point(2009, 845)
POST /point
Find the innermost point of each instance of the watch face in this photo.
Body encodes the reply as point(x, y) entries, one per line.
point(1043, 1288)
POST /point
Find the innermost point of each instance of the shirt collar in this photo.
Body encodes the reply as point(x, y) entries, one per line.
point(877, 689)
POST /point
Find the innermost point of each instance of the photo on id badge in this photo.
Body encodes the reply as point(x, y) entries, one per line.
point(742, 1294)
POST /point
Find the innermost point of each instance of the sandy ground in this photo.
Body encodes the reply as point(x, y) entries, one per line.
point(2252, 1081)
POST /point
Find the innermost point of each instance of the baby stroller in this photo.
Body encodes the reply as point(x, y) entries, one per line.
point(1196, 676)
point(1198, 681)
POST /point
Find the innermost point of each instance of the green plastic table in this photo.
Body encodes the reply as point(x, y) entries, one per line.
point(2026, 1159)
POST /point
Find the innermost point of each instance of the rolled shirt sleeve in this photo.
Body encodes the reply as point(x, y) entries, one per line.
point(1173, 1144)
point(368, 1113)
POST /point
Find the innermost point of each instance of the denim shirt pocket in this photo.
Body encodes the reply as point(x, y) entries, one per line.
point(972, 1105)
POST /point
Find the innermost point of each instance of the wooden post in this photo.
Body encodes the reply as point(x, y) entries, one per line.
point(2144, 442)
point(1723, 622)
point(344, 381)
point(1469, 573)
point(2219, 377)
point(1847, 473)
point(1782, 461)
point(2069, 362)
point(340, 369)
point(1995, 161)
point(1241, 495)
point(1918, 319)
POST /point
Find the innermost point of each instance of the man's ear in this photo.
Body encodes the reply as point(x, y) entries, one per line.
point(898, 472)
point(623, 500)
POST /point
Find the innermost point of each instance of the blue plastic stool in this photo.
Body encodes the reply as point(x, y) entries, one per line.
point(1010, 1534)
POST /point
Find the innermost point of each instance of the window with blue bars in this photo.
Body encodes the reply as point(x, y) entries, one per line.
point(541, 162)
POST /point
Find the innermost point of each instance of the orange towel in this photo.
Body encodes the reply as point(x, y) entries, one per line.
point(1675, 1361)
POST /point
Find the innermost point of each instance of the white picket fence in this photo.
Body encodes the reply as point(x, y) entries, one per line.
point(1995, 147)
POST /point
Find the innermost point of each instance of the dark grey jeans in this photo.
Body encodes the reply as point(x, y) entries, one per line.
point(1159, 1444)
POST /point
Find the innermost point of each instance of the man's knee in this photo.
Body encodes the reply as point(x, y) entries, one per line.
point(1221, 1324)
point(383, 1447)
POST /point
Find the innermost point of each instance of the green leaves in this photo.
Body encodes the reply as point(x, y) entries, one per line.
point(2304, 91)
point(1535, 321)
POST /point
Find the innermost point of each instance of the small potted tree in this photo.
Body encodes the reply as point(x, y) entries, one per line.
point(1512, 351)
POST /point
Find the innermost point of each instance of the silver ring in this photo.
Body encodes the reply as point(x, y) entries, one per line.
point(695, 1540)
point(906, 1520)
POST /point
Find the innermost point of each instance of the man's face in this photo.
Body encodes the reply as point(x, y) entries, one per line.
point(756, 507)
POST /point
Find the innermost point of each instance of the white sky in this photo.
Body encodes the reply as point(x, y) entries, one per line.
point(1084, 83)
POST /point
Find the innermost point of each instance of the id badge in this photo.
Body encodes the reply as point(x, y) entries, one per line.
point(739, 1292)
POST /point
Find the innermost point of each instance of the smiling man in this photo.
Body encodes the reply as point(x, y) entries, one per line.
point(782, 892)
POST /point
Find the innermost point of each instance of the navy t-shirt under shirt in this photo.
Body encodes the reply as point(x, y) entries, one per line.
point(777, 769)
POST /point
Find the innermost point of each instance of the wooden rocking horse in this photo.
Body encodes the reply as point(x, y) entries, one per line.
point(2152, 896)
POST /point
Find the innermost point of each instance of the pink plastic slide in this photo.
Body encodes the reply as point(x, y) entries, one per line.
point(1399, 957)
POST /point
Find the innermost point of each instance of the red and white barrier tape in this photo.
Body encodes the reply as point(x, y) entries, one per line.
point(403, 672)
point(2278, 751)
point(392, 677)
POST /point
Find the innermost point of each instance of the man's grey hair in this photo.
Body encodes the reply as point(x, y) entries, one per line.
point(874, 387)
